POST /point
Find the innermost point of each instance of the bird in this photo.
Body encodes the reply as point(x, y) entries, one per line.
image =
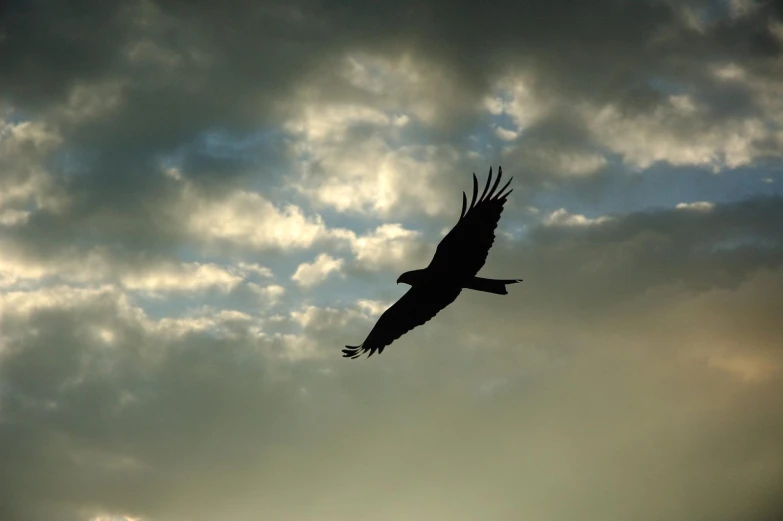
point(458, 258)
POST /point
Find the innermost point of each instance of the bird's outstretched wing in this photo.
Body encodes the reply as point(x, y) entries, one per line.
point(463, 251)
point(417, 306)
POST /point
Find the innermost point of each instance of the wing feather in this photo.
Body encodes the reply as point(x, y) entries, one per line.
point(500, 192)
point(463, 251)
point(475, 191)
point(497, 182)
point(486, 186)
point(420, 304)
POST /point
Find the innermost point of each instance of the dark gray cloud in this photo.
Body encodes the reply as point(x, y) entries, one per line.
point(630, 255)
point(184, 68)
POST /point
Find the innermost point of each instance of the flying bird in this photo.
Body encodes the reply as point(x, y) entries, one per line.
point(458, 258)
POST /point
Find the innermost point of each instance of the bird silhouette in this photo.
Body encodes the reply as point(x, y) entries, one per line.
point(457, 260)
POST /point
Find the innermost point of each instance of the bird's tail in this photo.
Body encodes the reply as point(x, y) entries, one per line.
point(490, 285)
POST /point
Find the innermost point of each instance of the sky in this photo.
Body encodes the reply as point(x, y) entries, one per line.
point(202, 203)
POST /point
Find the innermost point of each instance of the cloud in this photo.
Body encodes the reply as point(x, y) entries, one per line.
point(561, 217)
point(150, 370)
point(308, 275)
point(252, 267)
point(26, 181)
point(87, 374)
point(696, 206)
point(151, 410)
point(183, 277)
point(355, 158)
point(357, 120)
point(18, 267)
point(13, 217)
point(269, 294)
point(598, 267)
point(100, 265)
point(373, 307)
point(679, 133)
point(505, 134)
point(388, 246)
point(518, 97)
point(249, 220)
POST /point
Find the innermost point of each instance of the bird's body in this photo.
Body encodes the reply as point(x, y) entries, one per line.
point(457, 260)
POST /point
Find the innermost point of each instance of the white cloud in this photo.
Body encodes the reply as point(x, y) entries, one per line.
point(729, 72)
point(427, 91)
point(388, 246)
point(251, 267)
point(73, 265)
point(329, 123)
point(354, 156)
point(226, 323)
point(308, 275)
point(28, 135)
point(11, 217)
point(520, 98)
point(373, 308)
point(61, 296)
point(23, 146)
point(189, 276)
point(677, 132)
point(562, 217)
point(248, 219)
point(517, 97)
point(369, 175)
point(316, 318)
point(766, 95)
point(578, 163)
point(506, 134)
point(697, 206)
point(99, 265)
point(268, 295)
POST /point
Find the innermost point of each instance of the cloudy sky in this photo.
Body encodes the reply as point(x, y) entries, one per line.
point(201, 203)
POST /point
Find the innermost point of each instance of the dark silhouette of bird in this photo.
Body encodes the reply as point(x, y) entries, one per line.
point(458, 258)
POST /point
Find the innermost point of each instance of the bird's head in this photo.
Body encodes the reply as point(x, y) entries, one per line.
point(409, 277)
point(405, 278)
